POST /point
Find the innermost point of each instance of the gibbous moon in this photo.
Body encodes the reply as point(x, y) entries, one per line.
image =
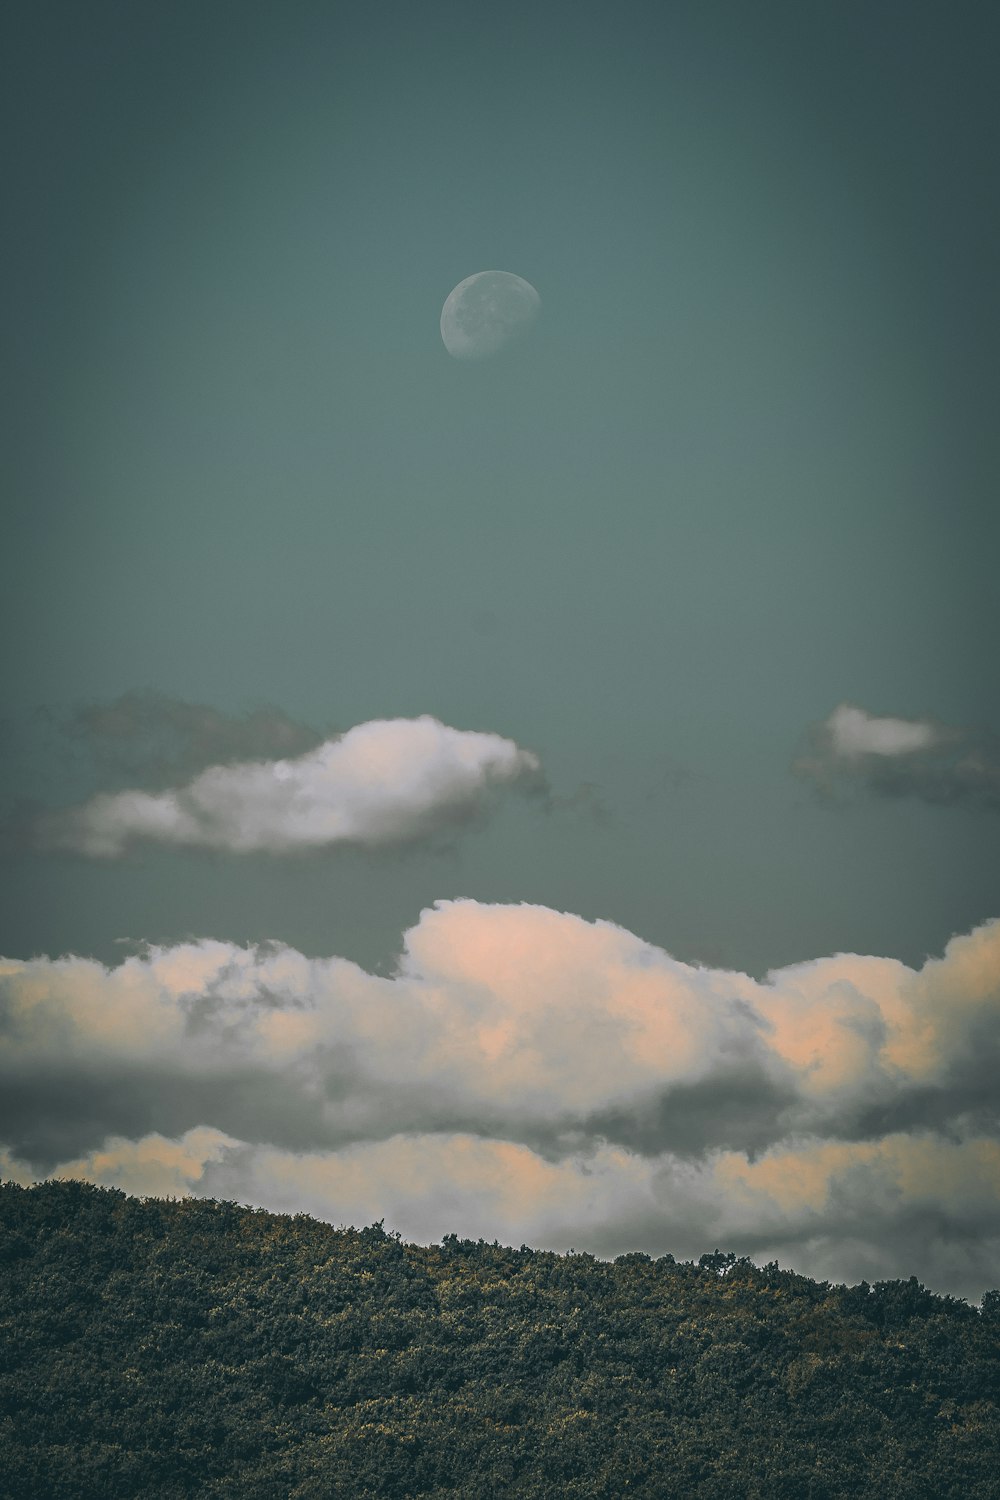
point(487, 311)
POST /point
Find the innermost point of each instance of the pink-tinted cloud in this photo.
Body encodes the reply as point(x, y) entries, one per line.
point(900, 1205)
point(528, 1070)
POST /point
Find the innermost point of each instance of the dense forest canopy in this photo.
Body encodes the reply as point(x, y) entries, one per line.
point(176, 1348)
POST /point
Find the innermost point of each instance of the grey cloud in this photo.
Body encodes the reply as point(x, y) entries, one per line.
point(742, 1107)
point(853, 750)
point(871, 1228)
point(901, 1206)
point(151, 739)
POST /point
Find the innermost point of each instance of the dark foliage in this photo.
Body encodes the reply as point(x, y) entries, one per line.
point(174, 1349)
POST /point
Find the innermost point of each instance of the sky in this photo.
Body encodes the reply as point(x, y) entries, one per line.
point(554, 796)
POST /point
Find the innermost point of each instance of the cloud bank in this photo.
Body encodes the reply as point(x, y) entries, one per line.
point(529, 1075)
point(854, 750)
point(387, 781)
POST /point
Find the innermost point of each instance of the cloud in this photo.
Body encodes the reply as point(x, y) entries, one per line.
point(152, 739)
point(514, 1021)
point(903, 1205)
point(153, 1166)
point(528, 1074)
point(884, 756)
point(386, 781)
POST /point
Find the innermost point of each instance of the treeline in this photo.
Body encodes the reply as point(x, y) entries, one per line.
point(193, 1348)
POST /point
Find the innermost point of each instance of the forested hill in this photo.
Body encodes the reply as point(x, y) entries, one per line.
point(194, 1348)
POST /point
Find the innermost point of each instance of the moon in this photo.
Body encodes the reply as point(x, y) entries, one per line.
point(487, 311)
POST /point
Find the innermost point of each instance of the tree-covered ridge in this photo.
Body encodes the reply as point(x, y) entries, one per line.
point(196, 1348)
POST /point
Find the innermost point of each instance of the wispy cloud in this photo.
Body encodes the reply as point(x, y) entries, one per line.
point(151, 739)
point(383, 782)
point(145, 740)
point(886, 756)
point(528, 1073)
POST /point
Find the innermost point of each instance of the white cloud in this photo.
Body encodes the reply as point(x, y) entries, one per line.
point(527, 1074)
point(853, 731)
point(854, 750)
point(382, 782)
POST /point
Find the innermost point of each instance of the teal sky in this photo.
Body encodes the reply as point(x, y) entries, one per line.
point(743, 469)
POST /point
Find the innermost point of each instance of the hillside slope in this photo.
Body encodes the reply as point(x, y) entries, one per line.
point(196, 1348)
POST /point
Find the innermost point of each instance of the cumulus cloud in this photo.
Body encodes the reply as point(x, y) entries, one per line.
point(386, 781)
point(885, 756)
point(526, 1074)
